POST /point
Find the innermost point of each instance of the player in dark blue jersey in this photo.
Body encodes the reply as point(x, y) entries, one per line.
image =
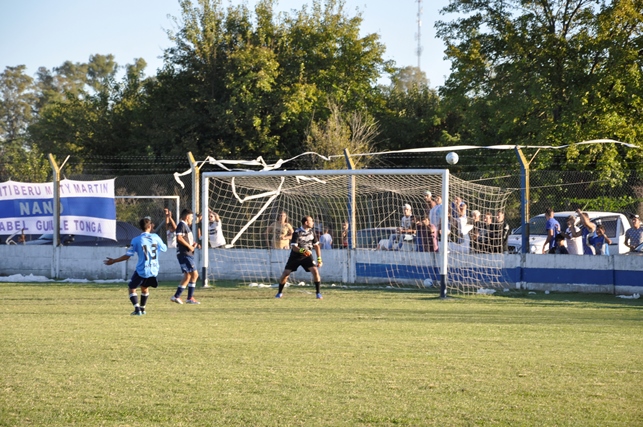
point(146, 247)
point(185, 246)
point(302, 243)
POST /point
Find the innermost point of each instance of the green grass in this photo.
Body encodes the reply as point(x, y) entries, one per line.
point(72, 356)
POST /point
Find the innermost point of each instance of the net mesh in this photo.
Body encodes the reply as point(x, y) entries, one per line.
point(373, 239)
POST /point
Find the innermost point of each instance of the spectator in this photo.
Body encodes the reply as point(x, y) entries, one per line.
point(461, 228)
point(407, 226)
point(427, 240)
point(407, 222)
point(486, 234)
point(634, 236)
point(500, 234)
point(560, 247)
point(170, 229)
point(573, 237)
point(599, 240)
point(587, 228)
point(326, 240)
point(429, 203)
point(455, 206)
point(279, 233)
point(319, 227)
point(552, 228)
point(435, 215)
point(474, 234)
point(454, 223)
point(215, 232)
point(345, 234)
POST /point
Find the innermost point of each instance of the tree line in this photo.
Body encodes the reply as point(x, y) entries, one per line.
point(241, 83)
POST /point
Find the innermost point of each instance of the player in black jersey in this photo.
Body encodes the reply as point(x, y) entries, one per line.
point(302, 244)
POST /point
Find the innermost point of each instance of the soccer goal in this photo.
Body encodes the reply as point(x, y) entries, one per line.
point(362, 211)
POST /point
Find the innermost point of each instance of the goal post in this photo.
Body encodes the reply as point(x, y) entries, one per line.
point(371, 249)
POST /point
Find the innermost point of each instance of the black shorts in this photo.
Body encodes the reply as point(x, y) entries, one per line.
point(143, 282)
point(294, 262)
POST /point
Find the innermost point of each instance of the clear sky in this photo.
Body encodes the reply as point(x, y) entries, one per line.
point(46, 33)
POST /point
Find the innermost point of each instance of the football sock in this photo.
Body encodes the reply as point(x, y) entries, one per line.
point(191, 287)
point(281, 287)
point(179, 291)
point(317, 287)
point(144, 300)
point(134, 298)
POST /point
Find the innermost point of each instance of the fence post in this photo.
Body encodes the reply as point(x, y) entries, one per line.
point(56, 202)
point(524, 199)
point(195, 208)
point(55, 261)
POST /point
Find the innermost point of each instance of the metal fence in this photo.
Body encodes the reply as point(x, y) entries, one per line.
point(561, 190)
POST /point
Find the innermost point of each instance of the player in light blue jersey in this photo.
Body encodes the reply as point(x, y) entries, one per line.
point(146, 247)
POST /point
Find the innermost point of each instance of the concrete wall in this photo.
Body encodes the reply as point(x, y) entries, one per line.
point(620, 274)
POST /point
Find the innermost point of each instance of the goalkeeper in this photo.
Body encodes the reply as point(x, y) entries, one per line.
point(302, 244)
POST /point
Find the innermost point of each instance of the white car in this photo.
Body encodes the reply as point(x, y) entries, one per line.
point(616, 225)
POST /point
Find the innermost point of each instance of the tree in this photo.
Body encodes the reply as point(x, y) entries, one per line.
point(19, 161)
point(408, 78)
point(411, 114)
point(16, 102)
point(550, 72)
point(92, 113)
point(354, 131)
point(235, 84)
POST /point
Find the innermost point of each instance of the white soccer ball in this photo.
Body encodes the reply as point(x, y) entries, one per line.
point(452, 158)
point(428, 283)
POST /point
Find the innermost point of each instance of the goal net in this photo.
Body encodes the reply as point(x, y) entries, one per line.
point(376, 238)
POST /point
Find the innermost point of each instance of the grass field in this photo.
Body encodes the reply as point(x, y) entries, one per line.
point(73, 356)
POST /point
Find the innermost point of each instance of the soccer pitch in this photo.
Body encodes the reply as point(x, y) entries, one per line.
point(73, 356)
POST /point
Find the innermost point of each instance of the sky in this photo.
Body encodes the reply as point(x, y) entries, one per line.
point(47, 33)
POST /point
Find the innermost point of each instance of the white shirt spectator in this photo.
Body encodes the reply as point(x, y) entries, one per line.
point(574, 244)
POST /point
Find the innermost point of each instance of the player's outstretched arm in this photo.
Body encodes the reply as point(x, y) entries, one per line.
point(110, 261)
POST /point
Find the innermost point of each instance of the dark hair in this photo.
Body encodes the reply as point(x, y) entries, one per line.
point(185, 212)
point(559, 237)
point(548, 211)
point(304, 219)
point(144, 222)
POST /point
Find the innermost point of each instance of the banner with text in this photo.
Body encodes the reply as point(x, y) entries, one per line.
point(86, 208)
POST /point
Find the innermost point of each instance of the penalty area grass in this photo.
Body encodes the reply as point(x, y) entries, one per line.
point(73, 356)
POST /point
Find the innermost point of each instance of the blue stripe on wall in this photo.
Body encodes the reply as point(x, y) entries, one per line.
point(423, 272)
point(628, 278)
point(559, 275)
point(510, 275)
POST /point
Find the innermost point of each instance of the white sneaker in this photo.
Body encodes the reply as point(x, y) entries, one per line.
point(176, 300)
point(206, 286)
